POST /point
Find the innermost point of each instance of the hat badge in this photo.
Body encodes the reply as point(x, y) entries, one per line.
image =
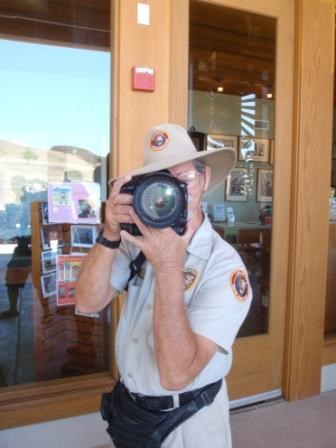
point(159, 140)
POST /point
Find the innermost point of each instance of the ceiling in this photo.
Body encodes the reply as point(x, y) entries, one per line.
point(229, 48)
point(70, 22)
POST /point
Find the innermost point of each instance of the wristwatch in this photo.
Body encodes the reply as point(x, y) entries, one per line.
point(107, 243)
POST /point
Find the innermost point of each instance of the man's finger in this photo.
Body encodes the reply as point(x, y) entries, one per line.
point(141, 226)
point(125, 198)
point(118, 183)
point(137, 241)
point(122, 209)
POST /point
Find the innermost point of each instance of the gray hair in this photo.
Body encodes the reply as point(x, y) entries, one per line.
point(199, 165)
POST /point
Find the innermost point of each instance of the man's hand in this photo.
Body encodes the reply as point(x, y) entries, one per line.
point(117, 209)
point(164, 248)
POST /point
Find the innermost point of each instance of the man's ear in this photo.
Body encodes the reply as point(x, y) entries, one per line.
point(207, 177)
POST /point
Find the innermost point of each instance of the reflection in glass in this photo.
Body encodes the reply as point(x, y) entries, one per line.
point(231, 102)
point(54, 127)
point(330, 308)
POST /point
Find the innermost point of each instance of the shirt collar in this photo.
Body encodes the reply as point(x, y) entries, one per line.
point(201, 242)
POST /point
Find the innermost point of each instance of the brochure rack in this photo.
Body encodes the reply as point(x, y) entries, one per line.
point(66, 343)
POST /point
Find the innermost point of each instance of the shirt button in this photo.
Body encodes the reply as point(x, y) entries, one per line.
point(135, 340)
point(130, 375)
point(149, 306)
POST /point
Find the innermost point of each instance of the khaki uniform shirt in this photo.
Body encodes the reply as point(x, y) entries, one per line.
point(217, 298)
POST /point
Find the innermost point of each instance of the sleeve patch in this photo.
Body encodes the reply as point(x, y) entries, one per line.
point(239, 285)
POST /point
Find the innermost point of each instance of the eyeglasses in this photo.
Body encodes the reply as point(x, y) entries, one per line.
point(188, 176)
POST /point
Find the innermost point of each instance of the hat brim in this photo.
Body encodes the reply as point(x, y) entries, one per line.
point(221, 161)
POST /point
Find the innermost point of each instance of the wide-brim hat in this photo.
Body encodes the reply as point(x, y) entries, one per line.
point(167, 145)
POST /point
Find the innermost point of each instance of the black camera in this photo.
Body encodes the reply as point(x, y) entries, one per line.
point(159, 199)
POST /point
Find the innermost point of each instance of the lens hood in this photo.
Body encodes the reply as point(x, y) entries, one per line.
point(159, 199)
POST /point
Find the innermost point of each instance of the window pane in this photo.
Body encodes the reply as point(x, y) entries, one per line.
point(55, 125)
point(330, 310)
point(231, 103)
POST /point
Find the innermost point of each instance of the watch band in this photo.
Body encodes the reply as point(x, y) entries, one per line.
point(107, 243)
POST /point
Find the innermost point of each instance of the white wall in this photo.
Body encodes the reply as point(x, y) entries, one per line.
point(328, 378)
point(85, 431)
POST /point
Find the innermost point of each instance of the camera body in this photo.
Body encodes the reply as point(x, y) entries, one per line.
point(159, 199)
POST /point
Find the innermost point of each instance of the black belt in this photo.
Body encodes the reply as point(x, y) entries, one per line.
point(162, 403)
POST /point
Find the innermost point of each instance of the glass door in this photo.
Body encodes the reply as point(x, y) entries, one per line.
point(234, 73)
point(55, 127)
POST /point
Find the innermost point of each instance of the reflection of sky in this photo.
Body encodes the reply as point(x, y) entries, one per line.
point(52, 95)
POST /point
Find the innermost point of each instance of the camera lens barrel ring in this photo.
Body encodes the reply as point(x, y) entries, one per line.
point(159, 200)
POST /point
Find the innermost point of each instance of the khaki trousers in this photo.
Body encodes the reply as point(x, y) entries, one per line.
point(208, 428)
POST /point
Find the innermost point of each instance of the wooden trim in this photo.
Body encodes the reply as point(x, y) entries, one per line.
point(22, 405)
point(135, 111)
point(267, 7)
point(313, 98)
point(258, 360)
point(57, 23)
point(179, 62)
point(115, 50)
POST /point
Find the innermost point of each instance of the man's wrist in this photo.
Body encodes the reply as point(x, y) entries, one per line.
point(107, 242)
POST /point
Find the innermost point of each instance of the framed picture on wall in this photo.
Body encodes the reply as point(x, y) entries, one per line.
point(264, 185)
point(217, 141)
point(235, 185)
point(198, 139)
point(272, 148)
point(255, 149)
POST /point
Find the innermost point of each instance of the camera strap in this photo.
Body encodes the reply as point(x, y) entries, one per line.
point(135, 266)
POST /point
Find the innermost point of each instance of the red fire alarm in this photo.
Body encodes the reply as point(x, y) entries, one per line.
point(143, 78)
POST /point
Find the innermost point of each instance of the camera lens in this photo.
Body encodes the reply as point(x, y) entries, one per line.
point(159, 201)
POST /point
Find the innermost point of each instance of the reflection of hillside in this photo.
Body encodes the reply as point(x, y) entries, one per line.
point(25, 173)
point(33, 168)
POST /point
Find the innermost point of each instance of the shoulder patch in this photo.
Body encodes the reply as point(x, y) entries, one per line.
point(240, 285)
point(190, 275)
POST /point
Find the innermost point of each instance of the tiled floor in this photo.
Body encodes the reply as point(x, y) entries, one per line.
point(307, 423)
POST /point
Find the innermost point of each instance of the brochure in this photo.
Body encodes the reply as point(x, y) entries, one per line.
point(48, 284)
point(67, 269)
point(74, 202)
point(83, 236)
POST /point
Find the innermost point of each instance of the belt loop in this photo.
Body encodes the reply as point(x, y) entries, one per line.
point(176, 401)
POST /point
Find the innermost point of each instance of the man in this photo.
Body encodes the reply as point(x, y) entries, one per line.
point(182, 311)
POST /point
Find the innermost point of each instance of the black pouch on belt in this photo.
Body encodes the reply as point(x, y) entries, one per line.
point(132, 426)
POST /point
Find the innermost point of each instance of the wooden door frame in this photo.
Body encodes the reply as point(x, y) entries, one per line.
point(249, 354)
point(310, 107)
point(163, 45)
point(313, 116)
